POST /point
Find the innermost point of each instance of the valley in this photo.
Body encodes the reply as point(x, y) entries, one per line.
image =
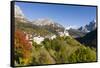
point(44, 41)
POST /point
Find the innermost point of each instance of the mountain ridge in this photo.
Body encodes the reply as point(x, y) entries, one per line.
point(88, 27)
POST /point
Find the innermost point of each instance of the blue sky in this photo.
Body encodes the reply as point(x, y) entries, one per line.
point(66, 15)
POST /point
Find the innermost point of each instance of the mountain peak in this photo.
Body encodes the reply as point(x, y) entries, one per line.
point(88, 27)
point(18, 12)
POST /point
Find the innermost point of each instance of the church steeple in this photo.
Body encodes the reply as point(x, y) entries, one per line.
point(66, 33)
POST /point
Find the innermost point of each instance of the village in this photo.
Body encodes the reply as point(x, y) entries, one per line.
point(38, 39)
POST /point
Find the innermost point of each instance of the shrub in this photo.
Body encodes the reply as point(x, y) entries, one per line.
point(83, 54)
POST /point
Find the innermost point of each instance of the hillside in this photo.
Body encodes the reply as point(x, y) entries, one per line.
point(30, 28)
point(59, 50)
point(89, 39)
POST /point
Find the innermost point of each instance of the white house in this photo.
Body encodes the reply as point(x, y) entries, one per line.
point(38, 39)
point(65, 33)
point(53, 37)
point(61, 34)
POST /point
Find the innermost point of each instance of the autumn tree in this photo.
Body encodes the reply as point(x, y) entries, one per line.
point(22, 48)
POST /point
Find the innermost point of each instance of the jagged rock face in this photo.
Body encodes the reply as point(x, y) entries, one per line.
point(83, 29)
point(42, 22)
point(89, 27)
point(45, 21)
point(19, 16)
point(18, 12)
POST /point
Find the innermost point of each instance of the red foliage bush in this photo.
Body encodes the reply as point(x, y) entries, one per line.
point(22, 43)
